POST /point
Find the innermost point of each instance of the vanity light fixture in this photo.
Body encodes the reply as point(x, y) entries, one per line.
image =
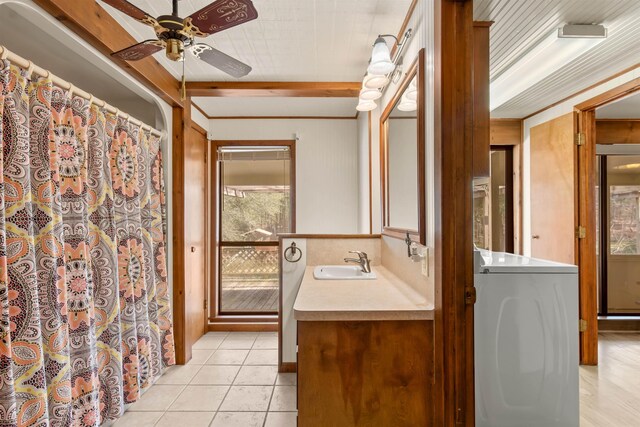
point(374, 82)
point(558, 49)
point(381, 63)
point(366, 105)
point(412, 91)
point(370, 94)
point(381, 68)
point(407, 105)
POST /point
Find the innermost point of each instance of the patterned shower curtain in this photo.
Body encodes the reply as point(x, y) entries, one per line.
point(85, 320)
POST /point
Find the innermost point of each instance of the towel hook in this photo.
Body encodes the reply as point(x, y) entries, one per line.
point(293, 253)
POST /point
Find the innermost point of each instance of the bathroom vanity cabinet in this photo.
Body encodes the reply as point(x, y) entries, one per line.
point(365, 353)
point(365, 373)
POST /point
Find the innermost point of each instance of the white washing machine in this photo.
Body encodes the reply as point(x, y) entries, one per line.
point(526, 342)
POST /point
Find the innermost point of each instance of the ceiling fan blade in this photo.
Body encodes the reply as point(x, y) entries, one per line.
point(220, 15)
point(133, 11)
point(220, 60)
point(140, 50)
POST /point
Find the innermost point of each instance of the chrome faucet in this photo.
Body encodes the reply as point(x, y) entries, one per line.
point(363, 261)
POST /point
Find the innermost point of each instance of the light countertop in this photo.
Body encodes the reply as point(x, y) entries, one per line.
point(384, 298)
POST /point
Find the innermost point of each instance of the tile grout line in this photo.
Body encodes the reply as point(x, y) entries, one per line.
point(273, 390)
point(202, 365)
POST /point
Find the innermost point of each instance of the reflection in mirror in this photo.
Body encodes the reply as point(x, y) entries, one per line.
point(402, 154)
point(402, 140)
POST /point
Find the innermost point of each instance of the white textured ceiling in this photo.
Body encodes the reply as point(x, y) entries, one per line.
point(276, 106)
point(521, 24)
point(292, 40)
point(626, 108)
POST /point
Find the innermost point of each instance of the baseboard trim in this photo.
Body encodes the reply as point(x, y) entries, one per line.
point(288, 367)
point(613, 324)
point(242, 327)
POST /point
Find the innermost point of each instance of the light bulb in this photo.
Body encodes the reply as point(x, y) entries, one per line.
point(366, 105)
point(375, 82)
point(370, 94)
point(381, 63)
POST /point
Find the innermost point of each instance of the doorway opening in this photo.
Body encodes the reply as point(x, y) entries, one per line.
point(618, 226)
point(255, 200)
point(493, 212)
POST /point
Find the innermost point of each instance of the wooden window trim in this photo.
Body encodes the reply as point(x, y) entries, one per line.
point(214, 315)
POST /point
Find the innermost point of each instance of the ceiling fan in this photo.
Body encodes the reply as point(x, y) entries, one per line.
point(176, 34)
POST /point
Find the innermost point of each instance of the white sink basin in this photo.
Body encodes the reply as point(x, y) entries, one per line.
point(341, 272)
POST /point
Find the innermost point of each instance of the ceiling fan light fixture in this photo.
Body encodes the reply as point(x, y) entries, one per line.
point(175, 50)
point(366, 105)
point(375, 82)
point(370, 94)
point(381, 63)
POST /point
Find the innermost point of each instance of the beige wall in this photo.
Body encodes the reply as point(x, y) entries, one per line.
point(327, 179)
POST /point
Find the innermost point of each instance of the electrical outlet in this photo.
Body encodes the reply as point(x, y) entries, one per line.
point(425, 263)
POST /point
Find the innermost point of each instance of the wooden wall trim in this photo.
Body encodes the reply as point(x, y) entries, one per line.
point(370, 154)
point(586, 248)
point(405, 24)
point(277, 89)
point(328, 236)
point(505, 131)
point(95, 25)
point(181, 125)
point(618, 131)
point(198, 128)
point(281, 118)
point(454, 361)
point(199, 108)
point(416, 69)
point(243, 327)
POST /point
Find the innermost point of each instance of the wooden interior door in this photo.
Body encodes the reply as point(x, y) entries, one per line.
point(553, 190)
point(195, 153)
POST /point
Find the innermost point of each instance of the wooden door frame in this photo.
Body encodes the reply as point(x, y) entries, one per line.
point(585, 127)
point(238, 322)
point(510, 208)
point(454, 388)
point(181, 126)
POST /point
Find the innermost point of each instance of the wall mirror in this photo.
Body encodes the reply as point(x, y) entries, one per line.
point(402, 145)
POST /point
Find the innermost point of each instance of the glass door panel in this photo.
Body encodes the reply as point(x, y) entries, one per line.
point(256, 205)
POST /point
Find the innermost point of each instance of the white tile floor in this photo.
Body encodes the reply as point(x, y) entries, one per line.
point(231, 381)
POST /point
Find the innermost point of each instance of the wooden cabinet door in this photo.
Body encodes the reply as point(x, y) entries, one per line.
point(553, 189)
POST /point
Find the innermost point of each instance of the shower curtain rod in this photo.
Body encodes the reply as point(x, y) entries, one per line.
point(32, 68)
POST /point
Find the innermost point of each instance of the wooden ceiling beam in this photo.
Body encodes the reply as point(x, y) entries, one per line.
point(95, 25)
point(275, 89)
